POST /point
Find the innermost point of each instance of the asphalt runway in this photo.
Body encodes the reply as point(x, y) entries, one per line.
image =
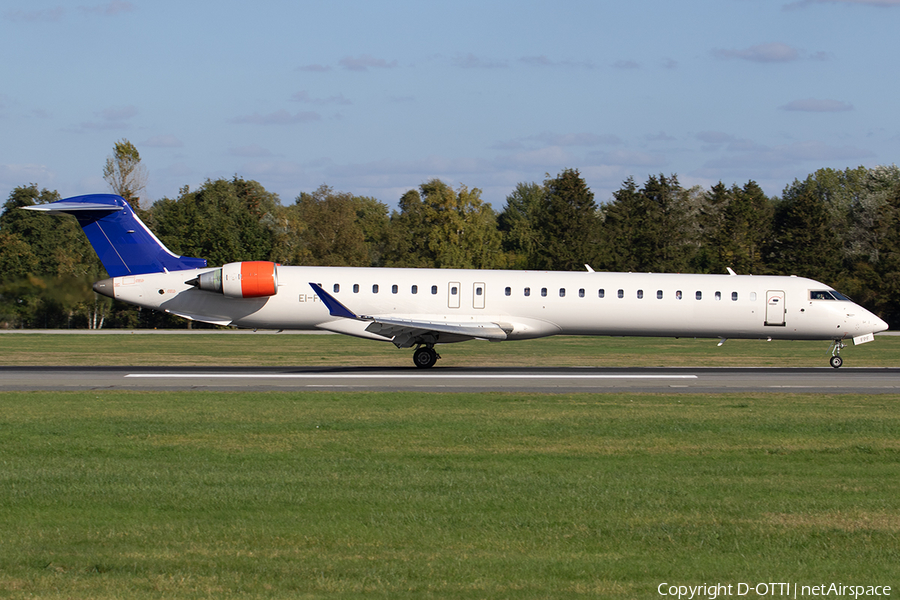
point(449, 379)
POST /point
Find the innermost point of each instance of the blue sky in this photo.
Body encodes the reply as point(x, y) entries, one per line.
point(374, 98)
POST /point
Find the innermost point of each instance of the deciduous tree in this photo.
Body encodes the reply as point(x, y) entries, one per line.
point(125, 174)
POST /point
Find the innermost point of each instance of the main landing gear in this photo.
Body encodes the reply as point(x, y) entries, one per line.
point(424, 357)
point(836, 361)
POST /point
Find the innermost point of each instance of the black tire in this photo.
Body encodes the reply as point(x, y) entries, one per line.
point(424, 358)
point(836, 361)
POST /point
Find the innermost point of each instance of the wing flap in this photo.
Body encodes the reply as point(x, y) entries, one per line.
point(390, 328)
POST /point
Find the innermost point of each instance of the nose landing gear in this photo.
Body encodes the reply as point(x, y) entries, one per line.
point(836, 361)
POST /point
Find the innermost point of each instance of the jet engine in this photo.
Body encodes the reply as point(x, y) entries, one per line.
point(249, 279)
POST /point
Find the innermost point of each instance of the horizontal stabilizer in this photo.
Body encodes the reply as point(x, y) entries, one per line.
point(70, 208)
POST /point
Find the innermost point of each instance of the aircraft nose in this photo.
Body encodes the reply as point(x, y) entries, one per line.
point(880, 325)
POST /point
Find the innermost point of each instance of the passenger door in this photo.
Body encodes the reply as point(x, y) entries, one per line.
point(775, 308)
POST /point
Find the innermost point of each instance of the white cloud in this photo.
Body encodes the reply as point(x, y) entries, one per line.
point(279, 117)
point(46, 15)
point(627, 158)
point(544, 61)
point(576, 139)
point(816, 105)
point(714, 137)
point(365, 62)
point(117, 114)
point(662, 136)
point(470, 61)
point(251, 151)
point(163, 141)
point(879, 3)
point(305, 98)
point(626, 64)
point(110, 9)
point(795, 153)
point(15, 175)
point(762, 53)
point(314, 68)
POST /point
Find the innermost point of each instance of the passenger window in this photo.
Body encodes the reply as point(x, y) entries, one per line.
point(355, 288)
point(374, 288)
point(581, 293)
point(678, 295)
point(752, 296)
point(527, 291)
point(621, 293)
point(718, 295)
point(601, 293)
point(415, 289)
point(734, 296)
point(659, 294)
point(508, 291)
point(453, 291)
point(479, 291)
point(640, 294)
point(544, 292)
point(433, 290)
point(337, 288)
point(699, 295)
point(562, 292)
point(394, 289)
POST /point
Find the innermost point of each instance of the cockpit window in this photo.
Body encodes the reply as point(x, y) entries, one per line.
point(827, 295)
point(820, 295)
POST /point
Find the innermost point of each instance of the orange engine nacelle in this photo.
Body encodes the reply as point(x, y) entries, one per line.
point(249, 279)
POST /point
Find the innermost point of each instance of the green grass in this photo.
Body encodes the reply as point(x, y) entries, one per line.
point(407, 495)
point(312, 350)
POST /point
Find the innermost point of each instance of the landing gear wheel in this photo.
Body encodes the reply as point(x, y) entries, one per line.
point(836, 361)
point(424, 357)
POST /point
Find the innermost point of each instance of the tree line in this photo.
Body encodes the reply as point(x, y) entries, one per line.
point(838, 227)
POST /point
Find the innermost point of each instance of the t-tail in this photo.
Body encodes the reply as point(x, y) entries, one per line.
point(121, 240)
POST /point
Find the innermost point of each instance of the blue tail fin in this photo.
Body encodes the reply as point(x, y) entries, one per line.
point(122, 242)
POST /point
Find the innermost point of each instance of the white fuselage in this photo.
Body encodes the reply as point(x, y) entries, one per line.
point(525, 304)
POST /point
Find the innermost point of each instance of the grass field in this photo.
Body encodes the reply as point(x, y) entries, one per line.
point(267, 349)
point(206, 495)
point(412, 495)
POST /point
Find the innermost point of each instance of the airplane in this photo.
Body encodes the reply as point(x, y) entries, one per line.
point(420, 308)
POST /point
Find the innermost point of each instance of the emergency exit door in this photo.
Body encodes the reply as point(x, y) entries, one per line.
point(478, 295)
point(453, 294)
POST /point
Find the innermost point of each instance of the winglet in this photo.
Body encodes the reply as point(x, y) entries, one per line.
point(335, 308)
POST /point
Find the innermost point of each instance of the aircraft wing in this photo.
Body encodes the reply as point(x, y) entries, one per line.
point(398, 328)
point(405, 333)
